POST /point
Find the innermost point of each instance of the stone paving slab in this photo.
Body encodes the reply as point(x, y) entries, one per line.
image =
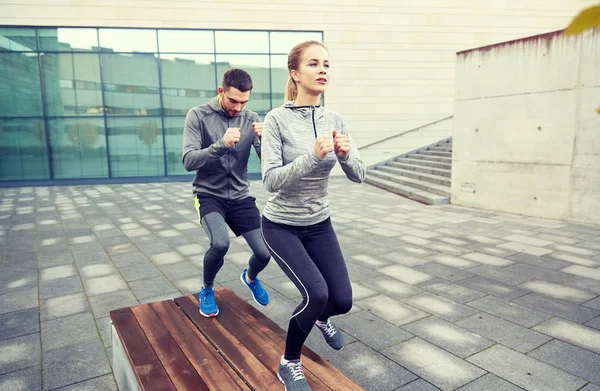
point(443, 286)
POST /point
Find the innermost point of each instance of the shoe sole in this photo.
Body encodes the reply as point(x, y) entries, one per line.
point(281, 380)
point(253, 298)
point(210, 315)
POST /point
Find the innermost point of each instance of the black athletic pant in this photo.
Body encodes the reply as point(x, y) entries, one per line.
point(311, 257)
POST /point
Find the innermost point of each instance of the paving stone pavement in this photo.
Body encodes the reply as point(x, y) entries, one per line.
point(445, 297)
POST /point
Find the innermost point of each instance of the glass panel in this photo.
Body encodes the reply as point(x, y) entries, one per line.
point(131, 84)
point(279, 77)
point(23, 153)
point(78, 148)
point(127, 40)
point(174, 142)
point(20, 85)
point(242, 41)
point(186, 41)
point(258, 68)
point(283, 42)
point(187, 81)
point(136, 146)
point(67, 40)
point(17, 40)
point(72, 84)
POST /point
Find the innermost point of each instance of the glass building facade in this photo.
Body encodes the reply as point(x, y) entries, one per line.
point(104, 105)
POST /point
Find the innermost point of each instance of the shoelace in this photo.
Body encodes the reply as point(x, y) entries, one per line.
point(328, 328)
point(296, 369)
point(209, 298)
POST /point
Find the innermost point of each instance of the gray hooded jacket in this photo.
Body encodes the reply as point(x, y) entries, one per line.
point(293, 171)
point(220, 171)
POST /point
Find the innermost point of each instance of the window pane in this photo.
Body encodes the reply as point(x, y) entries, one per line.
point(78, 148)
point(258, 68)
point(131, 84)
point(23, 153)
point(186, 41)
point(126, 40)
point(283, 42)
point(174, 142)
point(279, 77)
point(17, 40)
point(20, 85)
point(242, 41)
point(72, 84)
point(187, 81)
point(136, 147)
point(66, 40)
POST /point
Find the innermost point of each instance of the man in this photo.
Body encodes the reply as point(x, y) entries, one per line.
point(216, 144)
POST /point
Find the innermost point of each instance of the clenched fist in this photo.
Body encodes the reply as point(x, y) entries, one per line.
point(341, 144)
point(323, 145)
point(232, 137)
point(258, 127)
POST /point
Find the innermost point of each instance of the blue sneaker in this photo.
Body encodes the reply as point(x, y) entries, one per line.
point(258, 292)
point(208, 305)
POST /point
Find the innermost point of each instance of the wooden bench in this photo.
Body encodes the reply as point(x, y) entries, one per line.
point(168, 345)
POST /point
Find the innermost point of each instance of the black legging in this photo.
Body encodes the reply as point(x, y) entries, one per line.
point(311, 257)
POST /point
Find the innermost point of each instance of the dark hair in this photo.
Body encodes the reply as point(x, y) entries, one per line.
point(294, 58)
point(237, 78)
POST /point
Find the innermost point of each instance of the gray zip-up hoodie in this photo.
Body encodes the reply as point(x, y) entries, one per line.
point(293, 171)
point(220, 171)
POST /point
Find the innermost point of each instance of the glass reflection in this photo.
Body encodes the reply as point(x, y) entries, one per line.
point(242, 41)
point(72, 84)
point(78, 148)
point(131, 84)
point(20, 85)
point(23, 152)
point(187, 80)
point(136, 147)
point(128, 40)
point(186, 41)
point(68, 40)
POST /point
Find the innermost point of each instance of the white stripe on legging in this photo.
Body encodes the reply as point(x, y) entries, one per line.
point(288, 266)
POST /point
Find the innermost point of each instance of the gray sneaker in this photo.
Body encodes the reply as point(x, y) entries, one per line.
point(333, 336)
point(292, 376)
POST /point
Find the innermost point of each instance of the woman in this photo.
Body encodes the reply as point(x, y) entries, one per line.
point(301, 143)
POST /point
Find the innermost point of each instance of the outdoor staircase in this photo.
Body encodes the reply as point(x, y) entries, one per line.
point(422, 175)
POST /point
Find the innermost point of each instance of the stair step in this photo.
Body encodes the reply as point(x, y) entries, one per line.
point(419, 168)
point(440, 149)
point(412, 193)
point(437, 159)
point(414, 183)
point(435, 153)
point(420, 163)
point(431, 178)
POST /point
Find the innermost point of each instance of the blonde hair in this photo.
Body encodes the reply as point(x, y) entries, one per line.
point(294, 58)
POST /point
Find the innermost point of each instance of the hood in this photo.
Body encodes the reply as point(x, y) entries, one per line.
point(305, 111)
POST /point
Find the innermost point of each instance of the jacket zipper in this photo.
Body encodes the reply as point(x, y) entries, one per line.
point(313, 121)
point(228, 167)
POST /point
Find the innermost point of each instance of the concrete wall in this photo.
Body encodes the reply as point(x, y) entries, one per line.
point(526, 131)
point(393, 60)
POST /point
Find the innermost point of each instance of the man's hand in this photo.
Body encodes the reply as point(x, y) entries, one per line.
point(232, 137)
point(341, 144)
point(323, 145)
point(258, 127)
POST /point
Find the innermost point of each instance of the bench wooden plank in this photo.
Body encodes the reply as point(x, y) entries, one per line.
point(271, 331)
point(255, 342)
point(147, 367)
point(243, 360)
point(180, 370)
point(214, 370)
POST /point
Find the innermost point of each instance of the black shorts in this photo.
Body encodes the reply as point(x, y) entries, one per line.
point(240, 215)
